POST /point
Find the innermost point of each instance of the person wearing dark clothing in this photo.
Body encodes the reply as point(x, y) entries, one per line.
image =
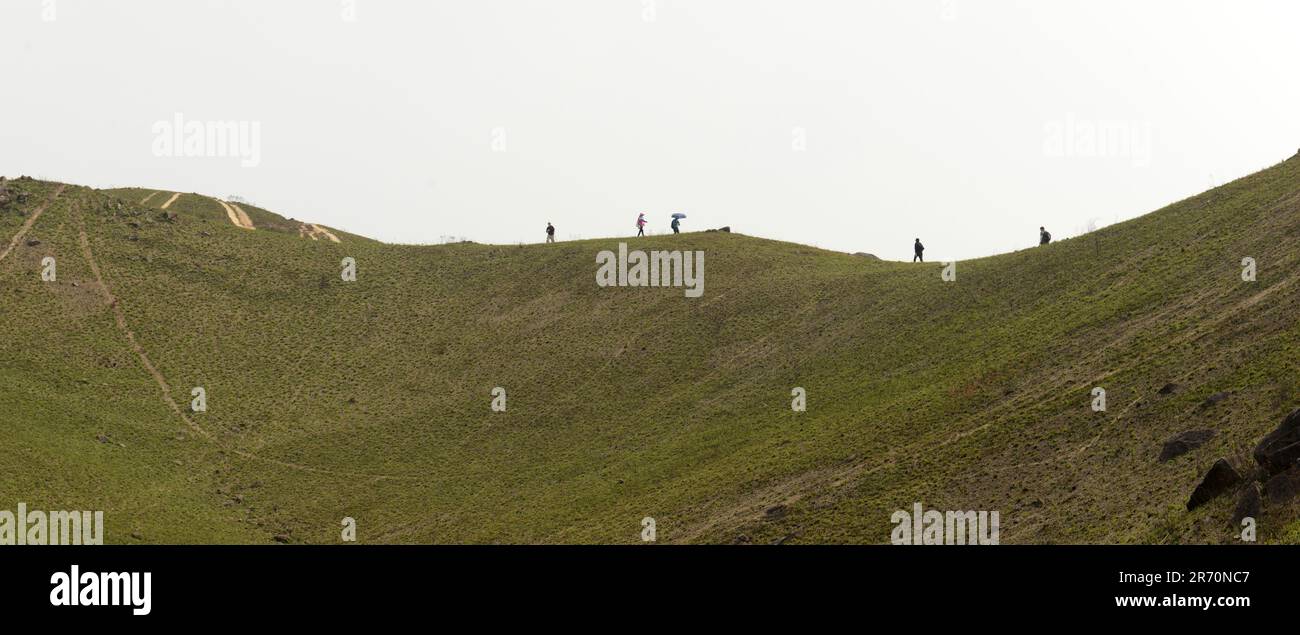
point(677, 225)
point(918, 248)
point(1044, 236)
point(550, 233)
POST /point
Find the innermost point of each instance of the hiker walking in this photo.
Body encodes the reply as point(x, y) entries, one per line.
point(640, 224)
point(677, 223)
point(919, 249)
point(1044, 236)
point(550, 233)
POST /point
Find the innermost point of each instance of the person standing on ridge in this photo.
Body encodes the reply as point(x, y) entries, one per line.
point(1044, 236)
point(550, 233)
point(918, 248)
point(677, 222)
point(640, 224)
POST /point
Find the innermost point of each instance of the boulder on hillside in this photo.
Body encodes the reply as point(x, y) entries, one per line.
point(862, 254)
point(1280, 449)
point(1221, 478)
point(1248, 504)
point(1282, 487)
point(1184, 442)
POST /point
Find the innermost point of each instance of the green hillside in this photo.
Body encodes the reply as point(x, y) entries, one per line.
point(371, 399)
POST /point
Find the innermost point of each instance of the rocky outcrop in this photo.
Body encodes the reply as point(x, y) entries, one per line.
point(1282, 487)
point(1280, 449)
point(1248, 504)
point(1220, 479)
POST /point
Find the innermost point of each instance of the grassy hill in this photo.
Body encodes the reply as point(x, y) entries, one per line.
point(371, 399)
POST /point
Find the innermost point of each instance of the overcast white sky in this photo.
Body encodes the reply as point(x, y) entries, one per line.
point(854, 125)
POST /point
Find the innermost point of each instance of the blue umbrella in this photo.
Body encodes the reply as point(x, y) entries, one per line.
point(679, 215)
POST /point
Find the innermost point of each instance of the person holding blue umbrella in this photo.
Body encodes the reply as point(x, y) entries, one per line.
point(677, 221)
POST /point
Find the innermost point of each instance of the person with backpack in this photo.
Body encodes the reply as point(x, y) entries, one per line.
point(918, 248)
point(1044, 236)
point(677, 222)
point(550, 233)
point(640, 224)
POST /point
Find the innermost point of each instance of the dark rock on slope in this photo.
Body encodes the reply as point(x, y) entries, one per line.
point(1218, 480)
point(1184, 442)
point(1281, 448)
point(1248, 504)
point(1282, 487)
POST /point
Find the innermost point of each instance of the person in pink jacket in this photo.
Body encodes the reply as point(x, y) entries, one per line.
point(640, 224)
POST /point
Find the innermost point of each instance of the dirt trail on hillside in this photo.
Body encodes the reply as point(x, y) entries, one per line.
point(244, 220)
point(314, 232)
point(31, 220)
point(120, 317)
point(171, 200)
point(146, 199)
point(236, 215)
